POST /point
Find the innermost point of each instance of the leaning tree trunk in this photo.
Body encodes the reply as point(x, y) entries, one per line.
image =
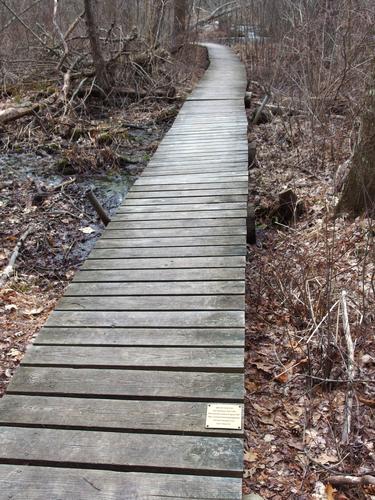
point(358, 196)
point(179, 21)
point(97, 56)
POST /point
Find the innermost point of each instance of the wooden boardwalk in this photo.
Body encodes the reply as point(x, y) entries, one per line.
point(111, 400)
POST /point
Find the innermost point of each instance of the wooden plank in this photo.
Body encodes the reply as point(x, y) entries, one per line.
point(138, 384)
point(180, 241)
point(46, 483)
point(185, 169)
point(186, 200)
point(152, 303)
point(209, 455)
point(166, 319)
point(101, 414)
point(163, 263)
point(181, 207)
point(226, 192)
point(241, 184)
point(161, 358)
point(219, 337)
point(178, 223)
point(174, 232)
point(156, 288)
point(137, 253)
point(204, 214)
point(192, 179)
point(160, 275)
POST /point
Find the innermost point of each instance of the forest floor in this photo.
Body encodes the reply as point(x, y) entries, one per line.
point(45, 172)
point(301, 276)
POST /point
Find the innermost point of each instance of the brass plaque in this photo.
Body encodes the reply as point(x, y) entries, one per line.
point(224, 416)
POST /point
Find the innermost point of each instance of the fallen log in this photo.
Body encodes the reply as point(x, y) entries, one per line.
point(339, 480)
point(16, 112)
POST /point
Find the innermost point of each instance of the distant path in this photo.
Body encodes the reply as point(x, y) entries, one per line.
point(111, 401)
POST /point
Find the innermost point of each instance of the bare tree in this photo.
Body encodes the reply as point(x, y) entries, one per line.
point(179, 20)
point(97, 56)
point(358, 195)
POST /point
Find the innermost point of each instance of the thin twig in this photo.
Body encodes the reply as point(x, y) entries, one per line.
point(9, 268)
point(350, 371)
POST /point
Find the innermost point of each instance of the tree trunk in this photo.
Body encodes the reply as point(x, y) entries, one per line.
point(358, 196)
point(179, 21)
point(97, 56)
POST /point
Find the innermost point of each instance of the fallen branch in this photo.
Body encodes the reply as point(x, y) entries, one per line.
point(16, 112)
point(350, 371)
point(10, 267)
point(222, 10)
point(261, 108)
point(104, 217)
point(280, 110)
point(351, 480)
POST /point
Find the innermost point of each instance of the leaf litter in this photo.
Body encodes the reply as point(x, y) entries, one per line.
point(296, 355)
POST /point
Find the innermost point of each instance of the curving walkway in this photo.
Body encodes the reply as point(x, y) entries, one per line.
point(111, 400)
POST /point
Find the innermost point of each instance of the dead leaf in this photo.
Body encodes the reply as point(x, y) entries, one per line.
point(87, 230)
point(330, 491)
point(325, 458)
point(251, 386)
point(283, 377)
point(15, 353)
point(296, 446)
point(268, 438)
point(11, 307)
point(33, 312)
point(251, 456)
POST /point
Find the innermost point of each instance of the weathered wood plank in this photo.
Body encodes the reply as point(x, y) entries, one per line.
point(161, 416)
point(191, 179)
point(198, 214)
point(156, 288)
point(163, 263)
point(180, 241)
point(163, 170)
point(138, 253)
point(167, 319)
point(171, 358)
point(227, 191)
point(46, 483)
point(139, 384)
point(188, 200)
point(242, 184)
point(152, 303)
point(127, 451)
point(108, 337)
point(160, 275)
point(175, 232)
point(178, 223)
point(131, 209)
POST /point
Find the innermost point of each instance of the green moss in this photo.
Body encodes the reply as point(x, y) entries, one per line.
point(104, 138)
